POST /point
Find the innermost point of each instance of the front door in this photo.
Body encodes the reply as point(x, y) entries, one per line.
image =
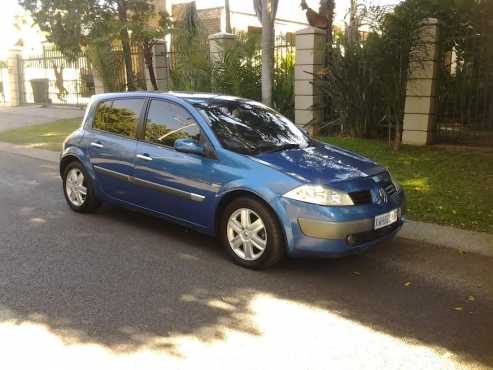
point(112, 145)
point(176, 184)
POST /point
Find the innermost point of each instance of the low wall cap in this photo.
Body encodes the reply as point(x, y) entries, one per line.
point(221, 35)
point(430, 21)
point(310, 31)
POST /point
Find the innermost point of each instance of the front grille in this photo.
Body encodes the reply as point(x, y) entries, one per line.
point(385, 181)
point(361, 197)
point(389, 188)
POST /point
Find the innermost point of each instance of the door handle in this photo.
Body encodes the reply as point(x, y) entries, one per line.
point(97, 145)
point(145, 157)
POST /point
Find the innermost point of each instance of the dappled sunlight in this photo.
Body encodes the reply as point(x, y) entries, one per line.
point(37, 220)
point(287, 335)
point(51, 134)
point(37, 145)
point(419, 184)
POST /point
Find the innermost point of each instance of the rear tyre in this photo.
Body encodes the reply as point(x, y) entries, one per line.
point(78, 189)
point(251, 234)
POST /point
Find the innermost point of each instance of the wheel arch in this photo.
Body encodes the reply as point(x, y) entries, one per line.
point(235, 194)
point(64, 162)
point(74, 153)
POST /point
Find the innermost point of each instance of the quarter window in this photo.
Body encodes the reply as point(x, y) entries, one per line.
point(119, 117)
point(167, 122)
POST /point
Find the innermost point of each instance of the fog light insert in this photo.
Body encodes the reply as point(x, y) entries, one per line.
point(350, 240)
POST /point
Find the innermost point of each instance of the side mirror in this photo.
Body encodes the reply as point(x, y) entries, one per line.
point(189, 146)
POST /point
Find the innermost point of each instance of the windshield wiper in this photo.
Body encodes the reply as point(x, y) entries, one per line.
point(282, 147)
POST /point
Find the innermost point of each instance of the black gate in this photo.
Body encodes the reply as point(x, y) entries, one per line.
point(68, 82)
point(465, 91)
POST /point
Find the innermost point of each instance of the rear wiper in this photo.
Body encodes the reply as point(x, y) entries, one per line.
point(283, 147)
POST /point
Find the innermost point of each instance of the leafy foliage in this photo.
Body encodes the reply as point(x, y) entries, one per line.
point(99, 25)
point(365, 80)
point(238, 70)
point(283, 91)
point(64, 22)
point(191, 70)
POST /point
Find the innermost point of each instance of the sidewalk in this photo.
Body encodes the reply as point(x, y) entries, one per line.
point(429, 234)
point(15, 117)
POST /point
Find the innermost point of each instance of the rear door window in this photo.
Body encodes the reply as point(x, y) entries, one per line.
point(120, 117)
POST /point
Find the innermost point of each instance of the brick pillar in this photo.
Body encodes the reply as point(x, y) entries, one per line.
point(419, 110)
point(13, 95)
point(161, 67)
point(310, 56)
point(218, 43)
point(98, 83)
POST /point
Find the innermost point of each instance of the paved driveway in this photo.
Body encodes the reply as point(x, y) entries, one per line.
point(14, 117)
point(120, 290)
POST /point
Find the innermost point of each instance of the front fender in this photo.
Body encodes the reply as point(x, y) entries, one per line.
point(268, 196)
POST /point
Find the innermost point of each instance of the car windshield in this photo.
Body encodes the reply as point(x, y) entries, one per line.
point(251, 128)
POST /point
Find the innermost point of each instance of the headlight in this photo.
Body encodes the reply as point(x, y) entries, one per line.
point(396, 183)
point(318, 194)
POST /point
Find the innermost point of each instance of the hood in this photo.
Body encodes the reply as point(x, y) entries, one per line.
point(320, 163)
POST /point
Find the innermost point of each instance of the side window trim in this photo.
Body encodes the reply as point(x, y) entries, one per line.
point(142, 115)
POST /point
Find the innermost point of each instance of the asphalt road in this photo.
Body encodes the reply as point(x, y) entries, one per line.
point(122, 290)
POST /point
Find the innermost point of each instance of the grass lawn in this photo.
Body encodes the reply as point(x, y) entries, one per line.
point(45, 136)
point(444, 186)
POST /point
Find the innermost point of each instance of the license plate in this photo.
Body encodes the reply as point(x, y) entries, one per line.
point(386, 219)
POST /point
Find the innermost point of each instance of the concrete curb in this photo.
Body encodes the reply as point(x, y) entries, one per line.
point(446, 236)
point(443, 236)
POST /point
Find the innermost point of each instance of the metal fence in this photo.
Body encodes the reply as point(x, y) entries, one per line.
point(465, 93)
point(70, 82)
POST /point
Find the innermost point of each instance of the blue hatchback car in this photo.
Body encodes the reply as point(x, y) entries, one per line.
point(233, 168)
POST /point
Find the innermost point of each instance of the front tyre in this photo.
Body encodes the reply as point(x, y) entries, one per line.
point(78, 189)
point(251, 234)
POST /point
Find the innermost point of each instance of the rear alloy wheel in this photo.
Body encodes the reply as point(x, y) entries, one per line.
point(78, 189)
point(251, 234)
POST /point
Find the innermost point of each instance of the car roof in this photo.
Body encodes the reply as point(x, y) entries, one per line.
point(190, 97)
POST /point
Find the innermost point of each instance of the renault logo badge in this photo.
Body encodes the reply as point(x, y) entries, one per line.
point(383, 195)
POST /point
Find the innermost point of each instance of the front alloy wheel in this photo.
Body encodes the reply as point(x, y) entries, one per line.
point(247, 235)
point(251, 233)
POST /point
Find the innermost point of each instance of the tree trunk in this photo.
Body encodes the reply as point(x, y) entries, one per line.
point(125, 39)
point(352, 30)
point(326, 10)
point(150, 65)
point(228, 16)
point(267, 54)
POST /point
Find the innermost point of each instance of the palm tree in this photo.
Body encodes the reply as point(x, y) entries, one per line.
point(326, 10)
point(228, 16)
point(266, 12)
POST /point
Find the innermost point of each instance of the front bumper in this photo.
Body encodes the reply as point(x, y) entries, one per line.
point(338, 231)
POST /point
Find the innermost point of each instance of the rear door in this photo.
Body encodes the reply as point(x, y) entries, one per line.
point(112, 144)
